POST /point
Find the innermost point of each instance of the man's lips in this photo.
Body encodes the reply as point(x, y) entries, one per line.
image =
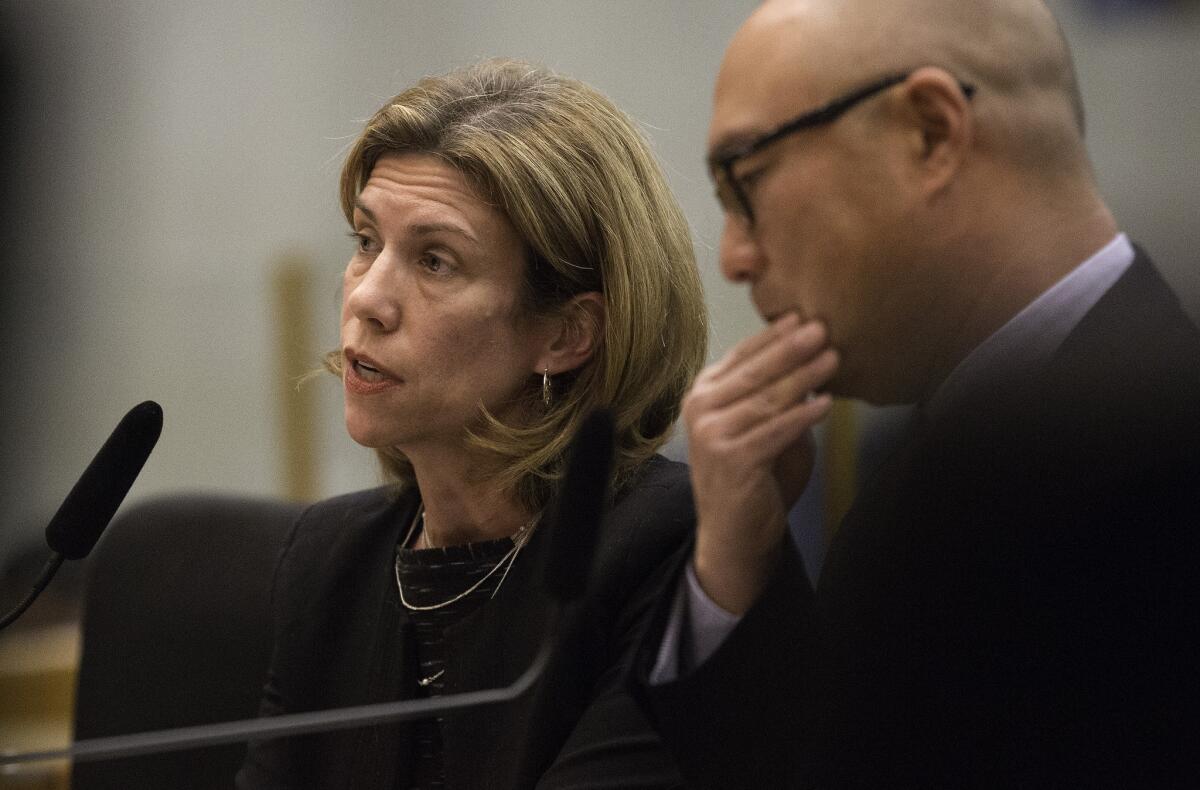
point(774, 314)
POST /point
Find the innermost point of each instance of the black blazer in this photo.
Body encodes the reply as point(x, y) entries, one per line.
point(342, 638)
point(1012, 600)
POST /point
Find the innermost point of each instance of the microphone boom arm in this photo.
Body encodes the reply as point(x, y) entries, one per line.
point(573, 540)
point(288, 724)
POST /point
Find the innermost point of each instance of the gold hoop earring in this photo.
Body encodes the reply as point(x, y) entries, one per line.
point(546, 388)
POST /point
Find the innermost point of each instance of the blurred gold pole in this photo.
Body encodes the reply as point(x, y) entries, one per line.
point(841, 462)
point(294, 352)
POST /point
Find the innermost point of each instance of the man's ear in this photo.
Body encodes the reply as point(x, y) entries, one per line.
point(942, 125)
point(574, 333)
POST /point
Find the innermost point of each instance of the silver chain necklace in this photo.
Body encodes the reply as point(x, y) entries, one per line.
point(519, 540)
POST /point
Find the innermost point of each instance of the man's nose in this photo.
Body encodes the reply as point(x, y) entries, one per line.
point(741, 256)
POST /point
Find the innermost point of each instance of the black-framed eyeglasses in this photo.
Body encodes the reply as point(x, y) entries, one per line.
point(731, 193)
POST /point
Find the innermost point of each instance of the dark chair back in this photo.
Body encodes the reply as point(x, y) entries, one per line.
point(176, 632)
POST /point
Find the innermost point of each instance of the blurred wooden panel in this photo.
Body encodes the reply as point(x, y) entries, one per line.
point(38, 666)
point(840, 462)
point(296, 357)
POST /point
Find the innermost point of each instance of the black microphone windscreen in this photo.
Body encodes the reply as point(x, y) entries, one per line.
point(91, 504)
point(580, 506)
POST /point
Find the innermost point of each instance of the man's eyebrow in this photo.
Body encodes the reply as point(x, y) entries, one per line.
point(731, 143)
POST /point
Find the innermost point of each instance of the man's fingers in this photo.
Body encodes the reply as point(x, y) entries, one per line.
point(749, 372)
point(760, 442)
point(750, 346)
point(771, 438)
point(708, 422)
point(780, 395)
point(781, 432)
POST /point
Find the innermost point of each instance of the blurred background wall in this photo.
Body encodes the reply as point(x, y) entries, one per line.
point(170, 172)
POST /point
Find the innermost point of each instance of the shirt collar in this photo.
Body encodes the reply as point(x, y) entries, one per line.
point(1030, 338)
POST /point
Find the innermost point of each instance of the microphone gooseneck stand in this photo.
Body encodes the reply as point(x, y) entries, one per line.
point(48, 571)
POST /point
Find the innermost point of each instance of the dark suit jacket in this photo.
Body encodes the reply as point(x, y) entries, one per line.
point(1011, 602)
point(342, 638)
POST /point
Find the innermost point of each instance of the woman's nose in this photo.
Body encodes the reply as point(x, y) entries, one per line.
point(373, 296)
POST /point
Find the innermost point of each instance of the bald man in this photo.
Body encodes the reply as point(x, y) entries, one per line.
point(1012, 599)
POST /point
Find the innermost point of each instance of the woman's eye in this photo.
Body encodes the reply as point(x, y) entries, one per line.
point(434, 263)
point(361, 241)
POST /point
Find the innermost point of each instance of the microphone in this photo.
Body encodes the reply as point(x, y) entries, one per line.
point(566, 572)
point(94, 499)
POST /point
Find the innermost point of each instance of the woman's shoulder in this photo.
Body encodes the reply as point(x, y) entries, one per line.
point(652, 517)
point(357, 505)
point(658, 489)
point(347, 526)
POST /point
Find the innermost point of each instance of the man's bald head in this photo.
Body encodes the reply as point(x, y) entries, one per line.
point(926, 214)
point(1013, 51)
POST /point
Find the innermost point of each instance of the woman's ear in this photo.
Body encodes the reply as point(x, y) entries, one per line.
point(574, 332)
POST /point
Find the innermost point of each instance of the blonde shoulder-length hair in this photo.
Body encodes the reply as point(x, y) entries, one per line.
point(578, 182)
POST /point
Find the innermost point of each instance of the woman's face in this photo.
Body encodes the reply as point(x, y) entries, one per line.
point(432, 323)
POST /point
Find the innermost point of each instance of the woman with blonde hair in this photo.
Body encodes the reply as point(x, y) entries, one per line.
point(518, 263)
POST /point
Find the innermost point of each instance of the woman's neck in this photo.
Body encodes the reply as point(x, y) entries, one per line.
point(463, 505)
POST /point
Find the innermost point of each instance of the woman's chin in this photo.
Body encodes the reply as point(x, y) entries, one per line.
point(366, 432)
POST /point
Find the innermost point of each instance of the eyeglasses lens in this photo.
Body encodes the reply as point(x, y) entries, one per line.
point(728, 195)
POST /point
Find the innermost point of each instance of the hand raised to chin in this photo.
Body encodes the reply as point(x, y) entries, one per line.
point(749, 419)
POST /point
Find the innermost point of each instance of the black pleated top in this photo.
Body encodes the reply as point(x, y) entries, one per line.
point(433, 576)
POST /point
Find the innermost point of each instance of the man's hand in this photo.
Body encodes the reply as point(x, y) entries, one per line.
point(749, 419)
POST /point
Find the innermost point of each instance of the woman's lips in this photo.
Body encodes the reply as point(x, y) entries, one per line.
point(363, 377)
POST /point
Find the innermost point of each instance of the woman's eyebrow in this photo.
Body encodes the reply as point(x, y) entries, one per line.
point(360, 206)
point(421, 228)
point(430, 228)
